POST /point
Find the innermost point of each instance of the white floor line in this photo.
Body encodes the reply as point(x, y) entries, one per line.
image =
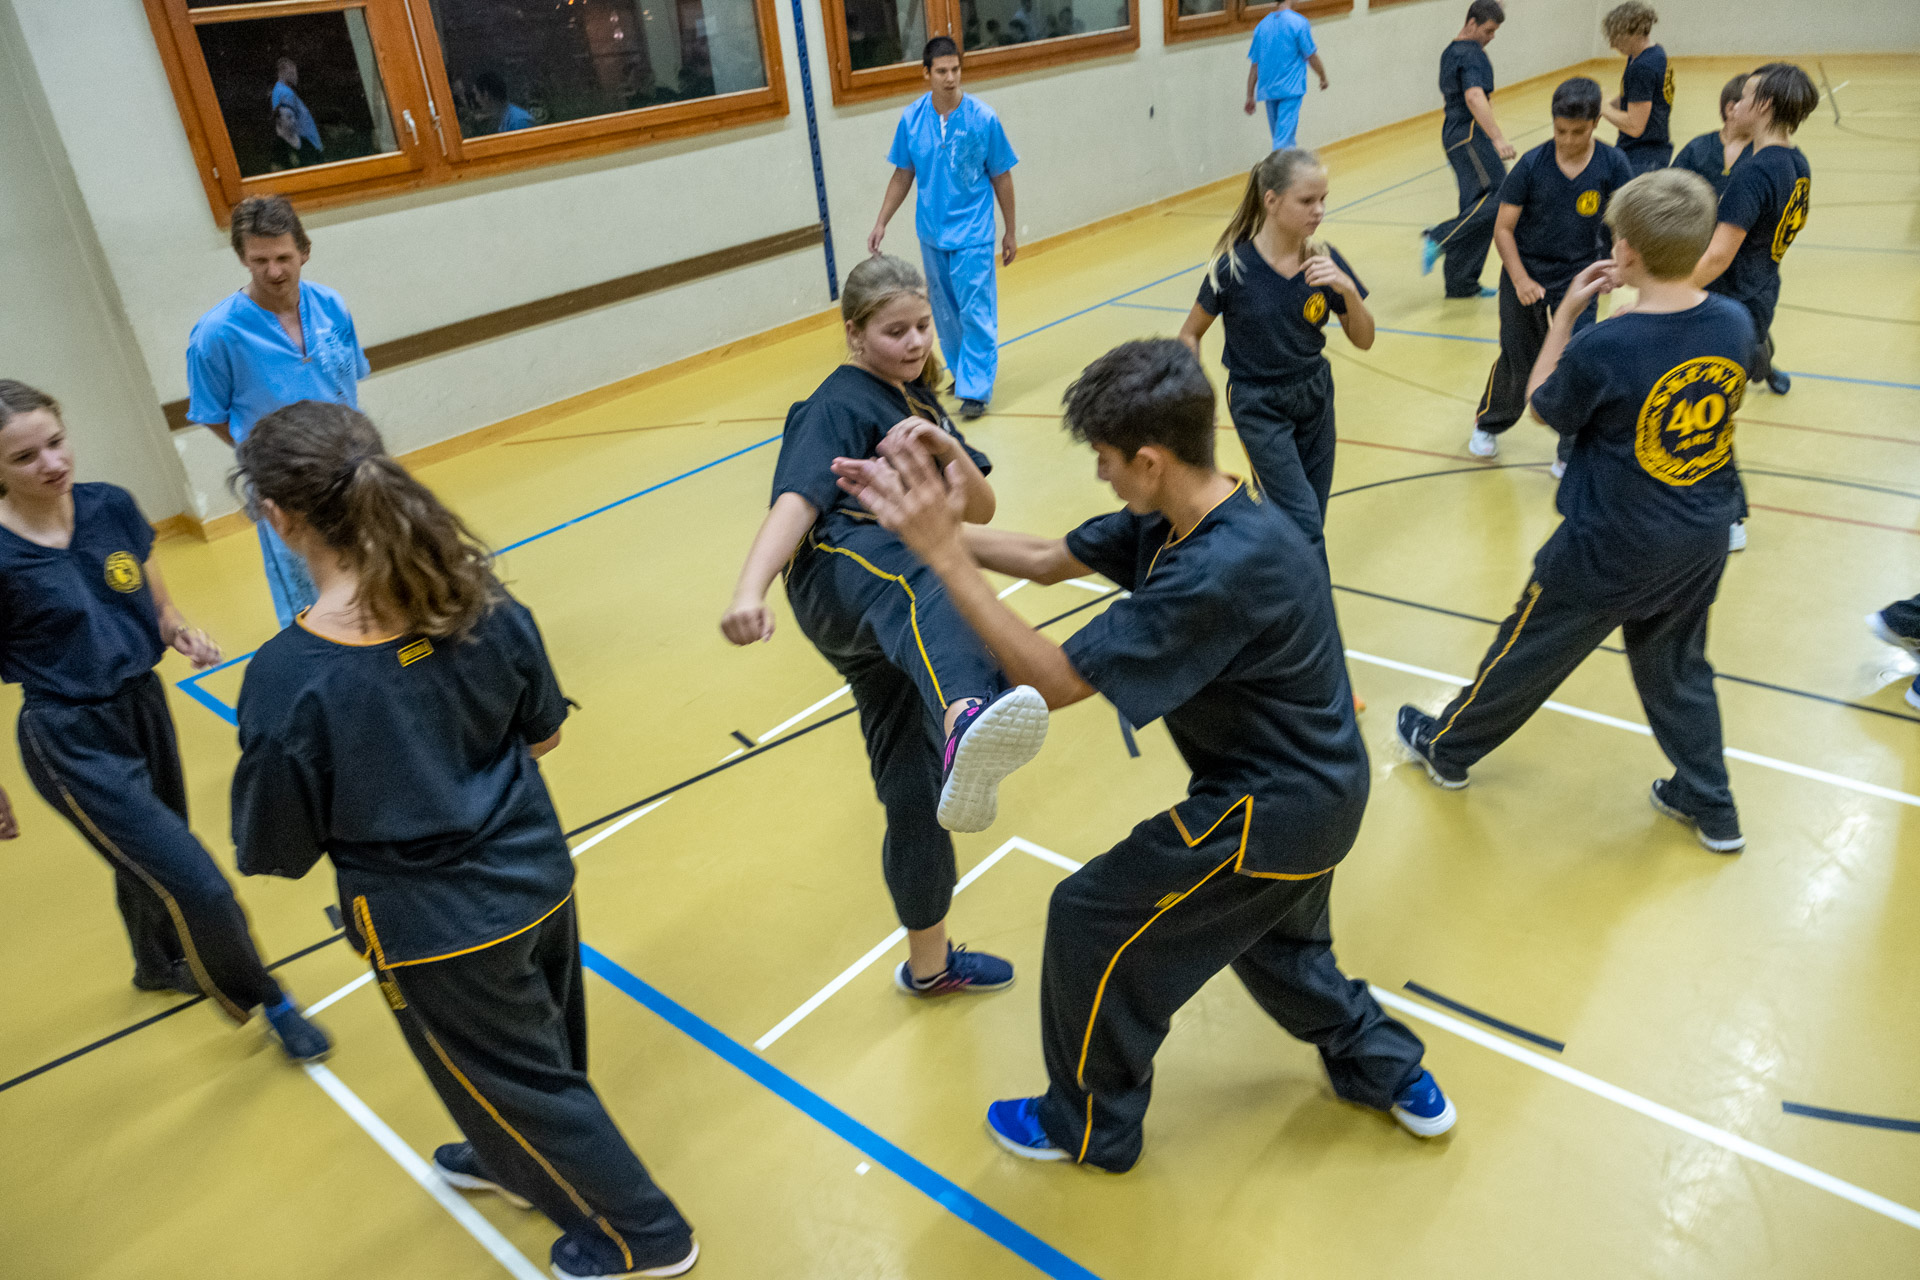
point(868, 960)
point(485, 1233)
point(1655, 1111)
point(614, 828)
point(793, 720)
point(1011, 588)
point(325, 1001)
point(1732, 753)
point(1086, 584)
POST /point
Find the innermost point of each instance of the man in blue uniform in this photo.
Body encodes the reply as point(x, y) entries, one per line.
point(1228, 633)
point(1476, 149)
point(277, 341)
point(1282, 51)
point(953, 145)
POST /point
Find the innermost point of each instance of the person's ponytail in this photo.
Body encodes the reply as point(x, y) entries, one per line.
point(1276, 172)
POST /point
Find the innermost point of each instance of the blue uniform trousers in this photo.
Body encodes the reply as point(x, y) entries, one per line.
point(1523, 331)
point(287, 577)
point(1283, 118)
point(966, 312)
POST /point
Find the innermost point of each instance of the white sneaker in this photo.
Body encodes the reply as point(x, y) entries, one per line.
point(1737, 537)
point(1886, 634)
point(1483, 444)
point(1558, 469)
point(986, 745)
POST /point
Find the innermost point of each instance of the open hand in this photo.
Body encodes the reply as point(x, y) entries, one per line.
point(910, 495)
point(746, 621)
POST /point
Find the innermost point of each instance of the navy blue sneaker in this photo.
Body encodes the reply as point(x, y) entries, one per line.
point(1720, 834)
point(1015, 1125)
point(460, 1167)
point(1415, 729)
point(973, 971)
point(1429, 253)
point(1779, 383)
point(573, 1260)
point(988, 742)
point(1422, 1109)
point(300, 1040)
point(177, 977)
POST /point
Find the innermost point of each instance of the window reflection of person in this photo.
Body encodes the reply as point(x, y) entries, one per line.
point(289, 149)
point(285, 94)
point(495, 112)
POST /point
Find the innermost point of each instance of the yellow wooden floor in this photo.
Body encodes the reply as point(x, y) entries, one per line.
point(1694, 994)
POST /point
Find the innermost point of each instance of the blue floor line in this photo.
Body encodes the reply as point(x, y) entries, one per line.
point(1851, 1117)
point(944, 1192)
point(1149, 306)
point(1864, 382)
point(1108, 303)
point(1422, 333)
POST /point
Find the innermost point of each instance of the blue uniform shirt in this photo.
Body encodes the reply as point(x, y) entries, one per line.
point(1282, 43)
point(77, 623)
point(241, 365)
point(1706, 155)
point(1768, 196)
point(952, 162)
point(514, 117)
point(283, 95)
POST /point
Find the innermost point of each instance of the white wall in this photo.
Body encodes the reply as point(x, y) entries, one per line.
point(1782, 28)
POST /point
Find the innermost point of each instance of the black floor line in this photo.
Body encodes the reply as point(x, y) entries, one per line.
point(742, 739)
point(1813, 479)
point(1851, 1117)
point(1498, 1024)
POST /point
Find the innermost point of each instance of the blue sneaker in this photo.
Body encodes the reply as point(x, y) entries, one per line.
point(1429, 253)
point(1015, 1125)
point(1415, 729)
point(973, 971)
point(1488, 293)
point(1422, 1109)
point(300, 1040)
point(459, 1166)
point(988, 742)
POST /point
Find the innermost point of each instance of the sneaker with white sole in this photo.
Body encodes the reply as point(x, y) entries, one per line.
point(1913, 695)
point(1414, 728)
point(970, 971)
point(1558, 470)
point(1422, 1109)
point(1483, 444)
point(1736, 537)
point(574, 1261)
point(1722, 834)
point(459, 1166)
point(988, 743)
point(1877, 623)
point(1014, 1123)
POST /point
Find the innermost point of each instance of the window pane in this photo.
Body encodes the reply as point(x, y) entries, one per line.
point(992, 23)
point(884, 33)
point(298, 91)
point(518, 64)
point(1193, 8)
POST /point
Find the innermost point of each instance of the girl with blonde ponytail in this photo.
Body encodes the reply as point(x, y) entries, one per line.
point(1275, 287)
point(394, 727)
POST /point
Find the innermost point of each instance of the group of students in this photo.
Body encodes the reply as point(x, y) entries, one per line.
point(395, 725)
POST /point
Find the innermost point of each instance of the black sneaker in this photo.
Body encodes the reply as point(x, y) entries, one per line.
point(457, 1163)
point(1779, 383)
point(1877, 623)
point(1722, 835)
point(573, 1260)
point(300, 1040)
point(988, 742)
point(971, 409)
point(1415, 731)
point(178, 978)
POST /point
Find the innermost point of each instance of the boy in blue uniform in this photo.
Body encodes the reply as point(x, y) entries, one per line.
point(1766, 203)
point(1282, 51)
point(1713, 155)
point(1229, 634)
point(1550, 228)
point(1475, 148)
point(953, 146)
point(278, 340)
point(395, 729)
point(1645, 104)
point(84, 617)
point(1649, 398)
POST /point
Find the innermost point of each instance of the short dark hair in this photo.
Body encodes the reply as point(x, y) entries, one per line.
point(1140, 393)
point(266, 216)
point(1788, 91)
point(1732, 91)
point(490, 83)
point(1577, 99)
point(1484, 11)
point(939, 47)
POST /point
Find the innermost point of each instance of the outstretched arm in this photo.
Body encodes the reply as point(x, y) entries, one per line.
point(174, 631)
point(748, 618)
point(1023, 555)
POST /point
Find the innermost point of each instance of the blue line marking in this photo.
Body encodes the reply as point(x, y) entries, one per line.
point(1108, 303)
point(1148, 306)
point(1852, 248)
point(1422, 333)
point(949, 1195)
point(1864, 382)
point(1851, 1117)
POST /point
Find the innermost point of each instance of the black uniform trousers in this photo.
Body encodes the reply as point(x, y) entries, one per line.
point(1903, 617)
point(112, 769)
point(1466, 237)
point(1138, 931)
point(502, 1035)
point(885, 622)
point(1523, 331)
point(1760, 368)
point(1287, 431)
point(1560, 619)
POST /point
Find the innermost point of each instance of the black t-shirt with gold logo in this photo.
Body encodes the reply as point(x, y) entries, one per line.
point(1768, 195)
point(1648, 78)
point(1276, 325)
point(77, 623)
point(1560, 231)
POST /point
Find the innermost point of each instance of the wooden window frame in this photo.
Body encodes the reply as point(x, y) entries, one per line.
point(943, 18)
point(1240, 16)
point(413, 72)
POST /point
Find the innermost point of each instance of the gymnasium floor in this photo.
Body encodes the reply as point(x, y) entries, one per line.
point(1661, 1005)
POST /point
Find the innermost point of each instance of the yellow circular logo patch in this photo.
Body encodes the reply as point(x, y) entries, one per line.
point(1792, 218)
point(123, 572)
point(1686, 426)
point(1668, 92)
point(1316, 309)
point(1588, 204)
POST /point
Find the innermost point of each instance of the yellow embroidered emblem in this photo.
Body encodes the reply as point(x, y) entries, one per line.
point(123, 572)
point(1686, 426)
point(1316, 309)
point(1667, 90)
point(1792, 218)
point(1588, 204)
point(414, 652)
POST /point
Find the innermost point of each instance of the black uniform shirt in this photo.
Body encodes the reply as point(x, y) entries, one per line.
point(846, 417)
point(1706, 155)
point(1463, 66)
point(1230, 635)
point(77, 623)
point(1648, 78)
point(1276, 325)
point(1768, 196)
point(1649, 401)
point(406, 761)
point(1560, 231)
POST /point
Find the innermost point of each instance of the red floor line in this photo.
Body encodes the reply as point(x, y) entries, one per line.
point(1816, 515)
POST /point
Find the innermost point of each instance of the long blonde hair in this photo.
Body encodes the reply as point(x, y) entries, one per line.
point(1276, 173)
point(871, 285)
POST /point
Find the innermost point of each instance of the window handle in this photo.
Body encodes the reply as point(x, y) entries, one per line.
point(412, 130)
